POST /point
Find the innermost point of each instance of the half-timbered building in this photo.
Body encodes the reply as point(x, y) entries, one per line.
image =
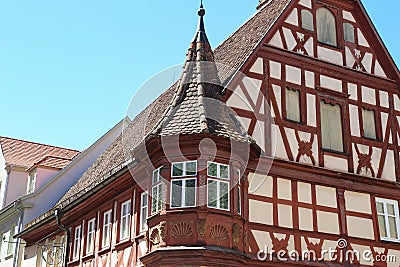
point(299, 168)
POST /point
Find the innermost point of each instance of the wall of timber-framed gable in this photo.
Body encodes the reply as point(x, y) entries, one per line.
point(272, 69)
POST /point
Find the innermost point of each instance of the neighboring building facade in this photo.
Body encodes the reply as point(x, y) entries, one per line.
point(320, 175)
point(46, 181)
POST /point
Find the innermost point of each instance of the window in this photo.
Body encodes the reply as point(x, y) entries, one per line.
point(125, 227)
point(218, 189)
point(1, 241)
point(106, 237)
point(348, 30)
point(183, 193)
point(157, 201)
point(31, 183)
point(11, 240)
point(307, 20)
point(368, 118)
point(239, 200)
point(331, 127)
point(293, 105)
point(188, 168)
point(326, 26)
point(388, 219)
point(143, 211)
point(90, 236)
point(77, 243)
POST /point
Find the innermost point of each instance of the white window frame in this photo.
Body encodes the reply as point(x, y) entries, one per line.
point(156, 198)
point(77, 242)
point(184, 170)
point(106, 229)
point(125, 219)
point(386, 215)
point(90, 236)
point(183, 193)
point(218, 170)
point(219, 182)
point(144, 211)
point(11, 241)
point(30, 187)
point(156, 176)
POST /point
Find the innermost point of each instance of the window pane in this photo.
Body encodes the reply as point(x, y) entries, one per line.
point(326, 26)
point(239, 200)
point(307, 20)
point(331, 127)
point(160, 198)
point(379, 207)
point(382, 226)
point(176, 198)
point(156, 176)
point(393, 227)
point(177, 169)
point(212, 193)
point(224, 195)
point(191, 168)
point(224, 171)
point(212, 169)
point(190, 193)
point(154, 199)
point(348, 32)
point(390, 209)
point(292, 105)
point(368, 117)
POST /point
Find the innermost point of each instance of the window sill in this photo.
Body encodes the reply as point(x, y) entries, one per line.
point(88, 256)
point(104, 250)
point(123, 243)
point(293, 121)
point(73, 261)
point(335, 152)
point(390, 241)
point(373, 139)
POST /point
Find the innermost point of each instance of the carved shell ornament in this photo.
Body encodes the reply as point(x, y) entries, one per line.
point(155, 236)
point(219, 233)
point(181, 230)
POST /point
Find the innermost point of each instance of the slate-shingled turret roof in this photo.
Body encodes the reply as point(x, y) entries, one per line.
point(196, 107)
point(233, 52)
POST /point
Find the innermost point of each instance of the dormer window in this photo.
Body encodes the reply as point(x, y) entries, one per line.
point(326, 27)
point(30, 188)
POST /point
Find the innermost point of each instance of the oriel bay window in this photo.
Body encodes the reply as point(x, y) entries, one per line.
point(183, 184)
point(388, 219)
point(157, 200)
point(331, 126)
point(125, 222)
point(218, 186)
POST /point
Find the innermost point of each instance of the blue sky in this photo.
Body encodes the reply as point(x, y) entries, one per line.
point(69, 68)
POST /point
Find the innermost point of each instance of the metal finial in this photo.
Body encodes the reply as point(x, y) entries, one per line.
point(201, 3)
point(201, 12)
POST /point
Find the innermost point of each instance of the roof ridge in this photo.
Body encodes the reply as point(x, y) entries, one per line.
point(37, 143)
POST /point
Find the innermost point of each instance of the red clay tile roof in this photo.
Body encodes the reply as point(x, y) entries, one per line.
point(53, 162)
point(233, 52)
point(26, 154)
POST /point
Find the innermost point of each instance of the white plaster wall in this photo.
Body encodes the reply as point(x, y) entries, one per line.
point(43, 175)
point(42, 200)
point(16, 187)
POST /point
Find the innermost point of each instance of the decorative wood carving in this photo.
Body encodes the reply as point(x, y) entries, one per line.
point(201, 227)
point(181, 230)
point(155, 236)
point(163, 229)
point(316, 247)
point(280, 244)
point(380, 255)
point(364, 161)
point(219, 233)
point(305, 148)
point(236, 234)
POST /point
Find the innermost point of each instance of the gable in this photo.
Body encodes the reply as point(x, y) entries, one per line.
point(353, 44)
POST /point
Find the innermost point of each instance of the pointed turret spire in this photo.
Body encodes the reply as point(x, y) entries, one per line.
point(196, 107)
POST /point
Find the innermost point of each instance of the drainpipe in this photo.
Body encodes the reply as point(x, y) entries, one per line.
point(59, 215)
point(17, 248)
